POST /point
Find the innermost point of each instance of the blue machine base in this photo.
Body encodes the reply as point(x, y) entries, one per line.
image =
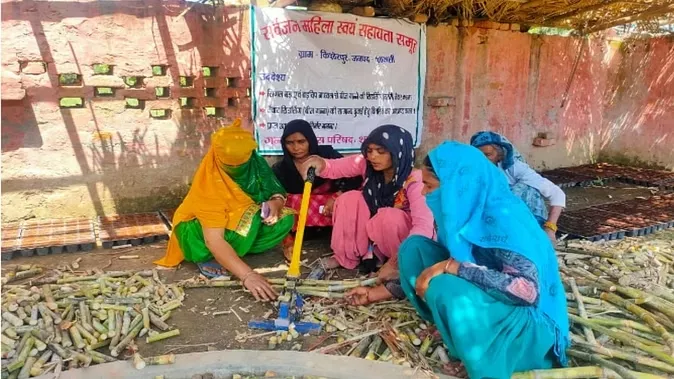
point(287, 316)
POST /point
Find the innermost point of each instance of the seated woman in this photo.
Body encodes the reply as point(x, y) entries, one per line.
point(372, 223)
point(221, 217)
point(491, 283)
point(298, 143)
point(526, 183)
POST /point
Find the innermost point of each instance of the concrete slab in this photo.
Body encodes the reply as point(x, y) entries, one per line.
point(223, 364)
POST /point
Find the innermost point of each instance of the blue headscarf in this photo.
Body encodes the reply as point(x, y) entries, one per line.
point(486, 137)
point(474, 206)
point(399, 143)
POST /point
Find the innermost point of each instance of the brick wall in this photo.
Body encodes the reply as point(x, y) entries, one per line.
point(110, 155)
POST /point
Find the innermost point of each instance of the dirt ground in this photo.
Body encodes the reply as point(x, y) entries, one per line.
point(200, 331)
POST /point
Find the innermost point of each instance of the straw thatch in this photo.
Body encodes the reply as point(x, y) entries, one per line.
point(586, 16)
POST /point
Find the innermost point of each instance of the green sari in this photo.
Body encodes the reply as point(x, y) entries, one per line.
point(257, 180)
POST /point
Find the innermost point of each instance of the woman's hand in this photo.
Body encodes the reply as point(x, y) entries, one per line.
point(552, 235)
point(327, 208)
point(313, 161)
point(275, 207)
point(431, 272)
point(258, 286)
point(358, 296)
point(388, 271)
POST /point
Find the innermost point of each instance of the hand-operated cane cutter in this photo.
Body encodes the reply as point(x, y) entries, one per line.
point(290, 302)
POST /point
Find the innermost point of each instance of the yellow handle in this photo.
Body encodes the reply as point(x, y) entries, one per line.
point(294, 269)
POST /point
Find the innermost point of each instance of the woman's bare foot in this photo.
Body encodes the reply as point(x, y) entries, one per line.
point(329, 263)
point(455, 369)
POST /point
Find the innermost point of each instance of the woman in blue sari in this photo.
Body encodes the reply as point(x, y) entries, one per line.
point(490, 283)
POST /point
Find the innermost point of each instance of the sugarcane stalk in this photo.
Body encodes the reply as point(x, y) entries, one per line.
point(99, 345)
point(21, 313)
point(643, 314)
point(612, 353)
point(25, 274)
point(20, 360)
point(328, 320)
point(593, 358)
point(25, 370)
point(146, 318)
point(165, 359)
point(171, 305)
point(373, 348)
point(360, 347)
point(39, 345)
point(628, 341)
point(414, 339)
point(76, 337)
point(165, 317)
point(33, 315)
point(581, 310)
point(112, 322)
point(162, 336)
point(127, 340)
point(73, 279)
point(623, 323)
point(67, 309)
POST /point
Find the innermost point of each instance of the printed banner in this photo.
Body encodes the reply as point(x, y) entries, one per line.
point(344, 74)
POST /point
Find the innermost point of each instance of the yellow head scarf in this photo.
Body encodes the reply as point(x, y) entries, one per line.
point(214, 198)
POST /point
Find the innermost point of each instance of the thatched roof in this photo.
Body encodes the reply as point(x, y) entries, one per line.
point(585, 16)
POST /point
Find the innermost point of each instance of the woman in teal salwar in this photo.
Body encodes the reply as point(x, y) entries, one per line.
point(490, 283)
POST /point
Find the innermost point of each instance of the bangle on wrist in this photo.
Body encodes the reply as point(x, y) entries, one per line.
point(550, 225)
point(449, 262)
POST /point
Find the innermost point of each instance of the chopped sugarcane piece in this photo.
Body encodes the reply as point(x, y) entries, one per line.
point(84, 359)
point(138, 362)
point(385, 356)
point(442, 354)
point(26, 274)
point(158, 322)
point(118, 329)
point(25, 370)
point(143, 332)
point(273, 340)
point(85, 333)
point(360, 347)
point(65, 312)
point(325, 318)
point(39, 345)
point(48, 297)
point(33, 352)
point(65, 338)
point(99, 328)
point(373, 348)
point(12, 319)
point(8, 341)
point(413, 337)
point(99, 345)
point(127, 340)
point(115, 307)
point(41, 334)
point(76, 337)
point(165, 359)
point(10, 332)
point(165, 317)
point(48, 320)
point(101, 356)
point(20, 360)
point(58, 350)
point(112, 322)
point(162, 336)
point(426, 345)
point(171, 305)
point(21, 313)
point(44, 358)
point(593, 358)
point(146, 318)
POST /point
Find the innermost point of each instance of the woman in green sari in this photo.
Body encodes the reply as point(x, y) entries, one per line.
point(235, 207)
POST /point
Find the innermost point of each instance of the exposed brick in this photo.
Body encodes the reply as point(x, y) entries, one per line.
point(544, 142)
point(215, 81)
point(515, 27)
point(139, 93)
point(487, 25)
point(12, 88)
point(466, 23)
point(105, 81)
point(33, 68)
point(441, 101)
point(419, 18)
point(504, 27)
point(363, 11)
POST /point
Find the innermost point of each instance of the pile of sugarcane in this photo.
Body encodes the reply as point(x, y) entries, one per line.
point(67, 321)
